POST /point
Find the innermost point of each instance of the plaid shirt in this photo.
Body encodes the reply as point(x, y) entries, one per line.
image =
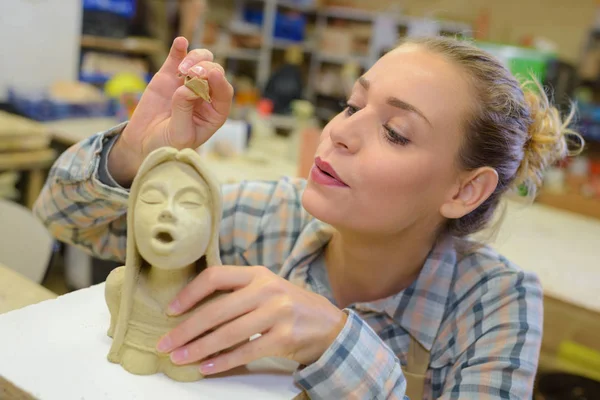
point(478, 315)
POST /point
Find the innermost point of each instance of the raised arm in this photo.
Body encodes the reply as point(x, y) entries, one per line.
point(78, 207)
point(84, 200)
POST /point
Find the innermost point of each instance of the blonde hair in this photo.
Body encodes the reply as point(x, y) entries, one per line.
point(512, 128)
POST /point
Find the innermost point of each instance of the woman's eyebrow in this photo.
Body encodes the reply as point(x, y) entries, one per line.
point(364, 82)
point(395, 102)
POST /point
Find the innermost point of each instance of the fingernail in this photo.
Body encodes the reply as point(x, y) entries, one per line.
point(198, 71)
point(174, 307)
point(179, 355)
point(207, 368)
point(164, 344)
point(185, 65)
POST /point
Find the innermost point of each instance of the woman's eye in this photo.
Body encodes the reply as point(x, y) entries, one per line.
point(350, 109)
point(152, 196)
point(394, 137)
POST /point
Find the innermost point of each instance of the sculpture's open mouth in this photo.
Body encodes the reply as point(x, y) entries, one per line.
point(164, 237)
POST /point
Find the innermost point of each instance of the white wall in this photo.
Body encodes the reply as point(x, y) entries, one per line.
point(39, 42)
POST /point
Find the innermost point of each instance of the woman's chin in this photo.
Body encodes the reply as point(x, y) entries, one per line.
point(319, 206)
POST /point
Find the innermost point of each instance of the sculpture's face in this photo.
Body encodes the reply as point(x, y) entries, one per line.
point(172, 216)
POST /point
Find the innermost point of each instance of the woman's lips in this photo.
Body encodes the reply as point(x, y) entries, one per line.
point(324, 174)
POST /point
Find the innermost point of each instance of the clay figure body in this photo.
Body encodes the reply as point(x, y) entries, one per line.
point(173, 222)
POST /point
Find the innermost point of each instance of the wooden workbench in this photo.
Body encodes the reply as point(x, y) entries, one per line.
point(563, 249)
point(67, 132)
point(16, 291)
point(24, 147)
point(35, 163)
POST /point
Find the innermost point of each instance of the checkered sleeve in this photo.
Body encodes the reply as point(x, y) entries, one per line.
point(497, 335)
point(78, 208)
point(358, 365)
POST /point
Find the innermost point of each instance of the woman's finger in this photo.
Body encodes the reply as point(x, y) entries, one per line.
point(177, 54)
point(202, 69)
point(221, 92)
point(224, 338)
point(209, 316)
point(210, 280)
point(241, 355)
point(192, 58)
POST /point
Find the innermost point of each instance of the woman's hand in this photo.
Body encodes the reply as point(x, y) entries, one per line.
point(295, 323)
point(170, 114)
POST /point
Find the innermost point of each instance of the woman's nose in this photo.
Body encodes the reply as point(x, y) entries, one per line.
point(166, 215)
point(344, 136)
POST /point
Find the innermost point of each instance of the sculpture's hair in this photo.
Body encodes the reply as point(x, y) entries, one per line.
point(512, 127)
point(133, 259)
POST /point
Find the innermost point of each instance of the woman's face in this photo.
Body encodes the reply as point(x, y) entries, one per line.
point(172, 216)
point(394, 147)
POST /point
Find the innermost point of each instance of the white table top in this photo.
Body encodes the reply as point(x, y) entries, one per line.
point(63, 344)
point(563, 248)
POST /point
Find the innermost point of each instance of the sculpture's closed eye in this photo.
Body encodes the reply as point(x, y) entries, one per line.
point(191, 199)
point(152, 196)
point(190, 204)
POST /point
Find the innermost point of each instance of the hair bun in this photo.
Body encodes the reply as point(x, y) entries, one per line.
point(549, 139)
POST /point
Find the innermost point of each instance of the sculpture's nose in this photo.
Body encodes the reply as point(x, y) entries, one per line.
point(166, 216)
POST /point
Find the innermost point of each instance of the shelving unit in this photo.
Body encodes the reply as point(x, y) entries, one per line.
point(263, 57)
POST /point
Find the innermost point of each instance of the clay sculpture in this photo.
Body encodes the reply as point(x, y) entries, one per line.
point(173, 220)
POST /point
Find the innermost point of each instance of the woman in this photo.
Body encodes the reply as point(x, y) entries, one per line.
point(362, 273)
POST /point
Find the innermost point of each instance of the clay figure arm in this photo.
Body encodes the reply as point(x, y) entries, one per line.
point(78, 208)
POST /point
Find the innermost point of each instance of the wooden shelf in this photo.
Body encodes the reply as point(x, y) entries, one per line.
point(551, 363)
point(133, 45)
point(572, 202)
point(297, 7)
point(240, 54)
point(27, 160)
point(349, 13)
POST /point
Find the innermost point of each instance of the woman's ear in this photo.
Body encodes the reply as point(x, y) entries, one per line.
point(474, 189)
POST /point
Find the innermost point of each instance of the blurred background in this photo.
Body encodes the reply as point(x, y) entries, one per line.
point(72, 68)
